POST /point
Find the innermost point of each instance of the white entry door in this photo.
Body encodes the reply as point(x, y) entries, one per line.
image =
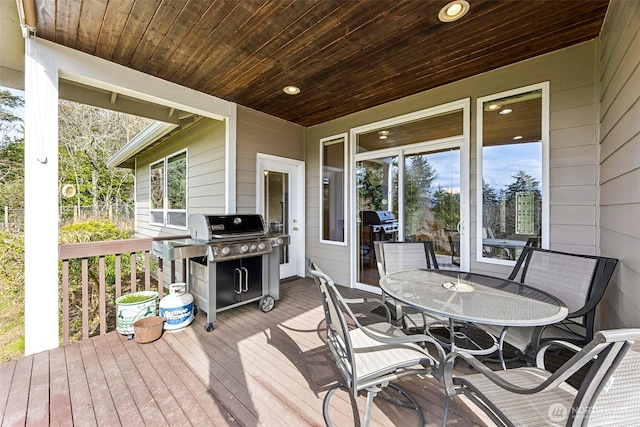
point(280, 200)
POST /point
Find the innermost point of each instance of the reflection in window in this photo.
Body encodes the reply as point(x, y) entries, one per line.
point(425, 129)
point(332, 214)
point(157, 193)
point(168, 198)
point(512, 171)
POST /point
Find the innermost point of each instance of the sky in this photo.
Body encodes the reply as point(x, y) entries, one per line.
point(500, 163)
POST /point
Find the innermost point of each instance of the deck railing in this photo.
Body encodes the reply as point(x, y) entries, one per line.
point(94, 292)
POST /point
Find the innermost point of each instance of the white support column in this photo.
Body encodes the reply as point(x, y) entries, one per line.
point(41, 203)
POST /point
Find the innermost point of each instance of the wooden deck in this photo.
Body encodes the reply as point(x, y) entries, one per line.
point(253, 369)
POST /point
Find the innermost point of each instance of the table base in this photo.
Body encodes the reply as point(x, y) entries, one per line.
point(459, 339)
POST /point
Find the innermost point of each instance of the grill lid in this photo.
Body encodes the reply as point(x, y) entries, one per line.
point(211, 227)
point(377, 217)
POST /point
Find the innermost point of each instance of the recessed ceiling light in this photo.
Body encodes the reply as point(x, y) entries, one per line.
point(383, 134)
point(506, 111)
point(291, 90)
point(492, 107)
point(517, 137)
point(453, 11)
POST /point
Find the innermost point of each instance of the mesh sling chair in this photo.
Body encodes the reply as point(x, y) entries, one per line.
point(533, 396)
point(577, 280)
point(396, 256)
point(370, 357)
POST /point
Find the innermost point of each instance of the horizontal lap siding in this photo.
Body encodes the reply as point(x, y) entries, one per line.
point(260, 133)
point(206, 162)
point(573, 149)
point(619, 75)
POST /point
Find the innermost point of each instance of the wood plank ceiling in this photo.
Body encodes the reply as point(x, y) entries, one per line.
point(345, 56)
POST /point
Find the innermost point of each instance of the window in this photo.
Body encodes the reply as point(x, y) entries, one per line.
point(332, 188)
point(168, 191)
point(512, 148)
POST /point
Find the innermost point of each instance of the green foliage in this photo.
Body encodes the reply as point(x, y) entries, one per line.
point(369, 183)
point(91, 231)
point(446, 208)
point(132, 298)
point(11, 151)
point(11, 296)
point(11, 265)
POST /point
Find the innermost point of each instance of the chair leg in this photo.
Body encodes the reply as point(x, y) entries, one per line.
point(446, 411)
point(325, 404)
point(367, 409)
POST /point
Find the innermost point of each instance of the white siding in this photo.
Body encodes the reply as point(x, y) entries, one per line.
point(573, 149)
point(619, 75)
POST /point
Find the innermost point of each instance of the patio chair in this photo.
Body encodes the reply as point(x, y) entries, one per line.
point(577, 280)
point(533, 396)
point(396, 256)
point(454, 243)
point(370, 357)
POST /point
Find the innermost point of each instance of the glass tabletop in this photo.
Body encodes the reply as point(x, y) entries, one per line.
point(473, 297)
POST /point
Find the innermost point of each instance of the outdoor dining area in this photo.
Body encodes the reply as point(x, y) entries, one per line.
point(545, 307)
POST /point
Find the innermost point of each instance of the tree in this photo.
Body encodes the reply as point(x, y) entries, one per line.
point(369, 187)
point(490, 207)
point(523, 183)
point(88, 137)
point(446, 208)
point(11, 150)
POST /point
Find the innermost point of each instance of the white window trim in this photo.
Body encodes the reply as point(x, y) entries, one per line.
point(165, 211)
point(544, 86)
point(345, 183)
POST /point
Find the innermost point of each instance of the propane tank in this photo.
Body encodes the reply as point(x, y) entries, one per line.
point(177, 307)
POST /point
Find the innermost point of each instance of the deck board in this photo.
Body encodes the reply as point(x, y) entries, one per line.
point(38, 405)
point(59, 397)
point(253, 369)
point(6, 378)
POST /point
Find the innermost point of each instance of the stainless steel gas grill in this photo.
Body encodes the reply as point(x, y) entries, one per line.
point(230, 261)
point(378, 225)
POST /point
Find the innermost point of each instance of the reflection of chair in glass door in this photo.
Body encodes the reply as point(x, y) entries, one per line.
point(454, 244)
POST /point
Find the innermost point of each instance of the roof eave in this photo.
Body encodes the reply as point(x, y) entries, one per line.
point(153, 132)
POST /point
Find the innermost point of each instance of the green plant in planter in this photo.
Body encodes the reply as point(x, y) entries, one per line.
point(132, 298)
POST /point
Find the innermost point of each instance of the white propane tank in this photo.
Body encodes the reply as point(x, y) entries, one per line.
point(177, 307)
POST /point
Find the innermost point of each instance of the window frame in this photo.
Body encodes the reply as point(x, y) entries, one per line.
point(544, 184)
point(345, 163)
point(165, 186)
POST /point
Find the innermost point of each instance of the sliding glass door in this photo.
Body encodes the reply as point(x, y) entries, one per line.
point(408, 185)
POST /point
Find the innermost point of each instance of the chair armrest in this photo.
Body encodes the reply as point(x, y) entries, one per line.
point(556, 343)
point(450, 389)
point(404, 339)
point(367, 300)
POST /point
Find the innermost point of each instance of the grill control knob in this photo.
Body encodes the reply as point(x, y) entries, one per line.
point(244, 248)
point(253, 247)
point(225, 251)
point(280, 240)
point(261, 246)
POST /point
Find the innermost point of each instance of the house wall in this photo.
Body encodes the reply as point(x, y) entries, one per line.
point(206, 174)
point(573, 184)
point(619, 82)
point(260, 133)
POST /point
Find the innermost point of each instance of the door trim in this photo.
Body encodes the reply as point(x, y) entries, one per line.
point(284, 164)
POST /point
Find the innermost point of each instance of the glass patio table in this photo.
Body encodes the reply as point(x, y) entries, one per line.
point(473, 298)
